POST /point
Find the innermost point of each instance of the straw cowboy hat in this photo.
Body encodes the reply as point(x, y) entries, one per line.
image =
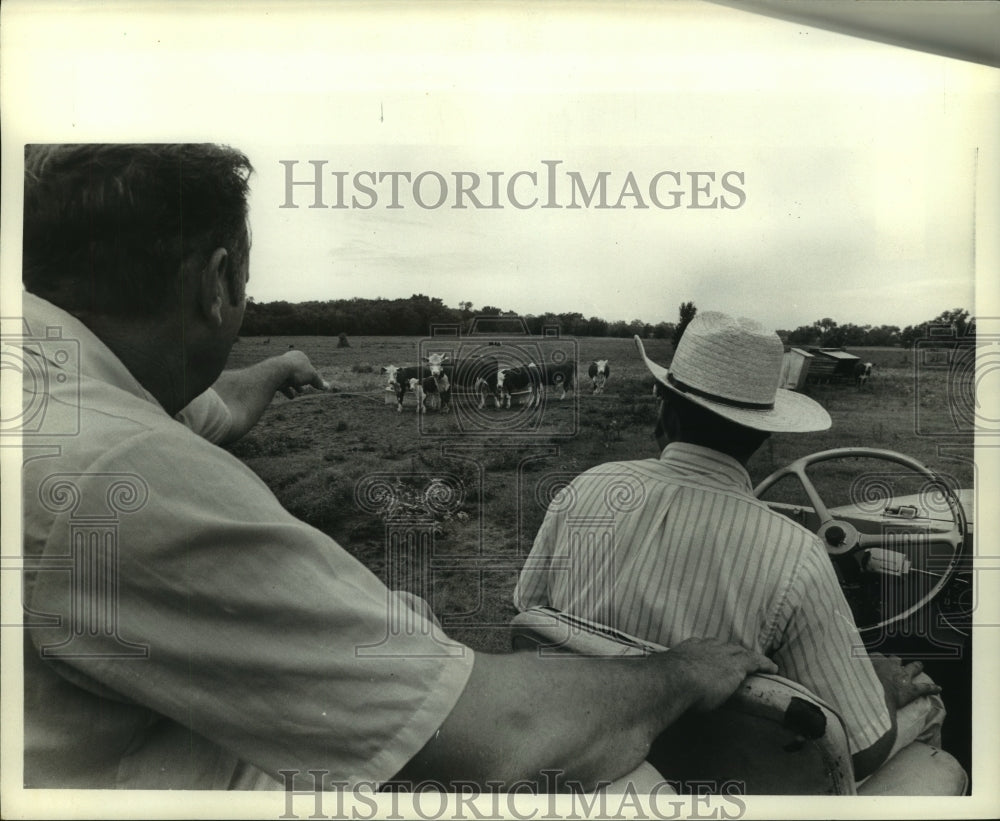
point(732, 367)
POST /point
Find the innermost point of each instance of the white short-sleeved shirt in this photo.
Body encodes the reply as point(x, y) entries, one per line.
point(208, 416)
point(182, 629)
point(675, 547)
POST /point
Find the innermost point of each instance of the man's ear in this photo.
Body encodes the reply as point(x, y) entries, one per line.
point(214, 285)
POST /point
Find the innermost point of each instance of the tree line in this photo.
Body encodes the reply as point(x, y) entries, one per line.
point(415, 315)
point(955, 325)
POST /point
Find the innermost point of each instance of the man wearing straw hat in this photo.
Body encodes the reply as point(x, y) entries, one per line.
point(693, 552)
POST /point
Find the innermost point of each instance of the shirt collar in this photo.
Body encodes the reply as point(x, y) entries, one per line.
point(711, 465)
point(43, 321)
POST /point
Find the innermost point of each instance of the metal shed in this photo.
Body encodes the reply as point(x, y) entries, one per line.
point(831, 363)
point(795, 369)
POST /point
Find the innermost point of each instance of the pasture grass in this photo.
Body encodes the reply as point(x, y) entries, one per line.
point(315, 452)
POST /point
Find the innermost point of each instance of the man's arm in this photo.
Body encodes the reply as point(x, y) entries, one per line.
point(899, 689)
point(822, 649)
point(590, 719)
point(248, 391)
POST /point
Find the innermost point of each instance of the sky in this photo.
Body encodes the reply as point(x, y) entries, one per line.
point(854, 168)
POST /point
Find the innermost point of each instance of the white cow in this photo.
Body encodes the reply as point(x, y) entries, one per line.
point(418, 391)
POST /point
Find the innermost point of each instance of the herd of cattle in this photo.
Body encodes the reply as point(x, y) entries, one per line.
point(485, 378)
point(488, 378)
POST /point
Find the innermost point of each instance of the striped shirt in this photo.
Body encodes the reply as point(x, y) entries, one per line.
point(669, 548)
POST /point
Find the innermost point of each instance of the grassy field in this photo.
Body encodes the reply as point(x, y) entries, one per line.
point(478, 493)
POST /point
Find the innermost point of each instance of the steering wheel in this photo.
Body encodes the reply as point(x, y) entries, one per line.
point(892, 558)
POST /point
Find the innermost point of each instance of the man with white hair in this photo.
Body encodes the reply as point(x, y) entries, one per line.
point(694, 552)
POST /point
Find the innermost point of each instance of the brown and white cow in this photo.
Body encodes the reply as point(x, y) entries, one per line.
point(520, 381)
point(486, 386)
point(413, 378)
point(599, 371)
point(396, 383)
point(561, 375)
point(439, 372)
